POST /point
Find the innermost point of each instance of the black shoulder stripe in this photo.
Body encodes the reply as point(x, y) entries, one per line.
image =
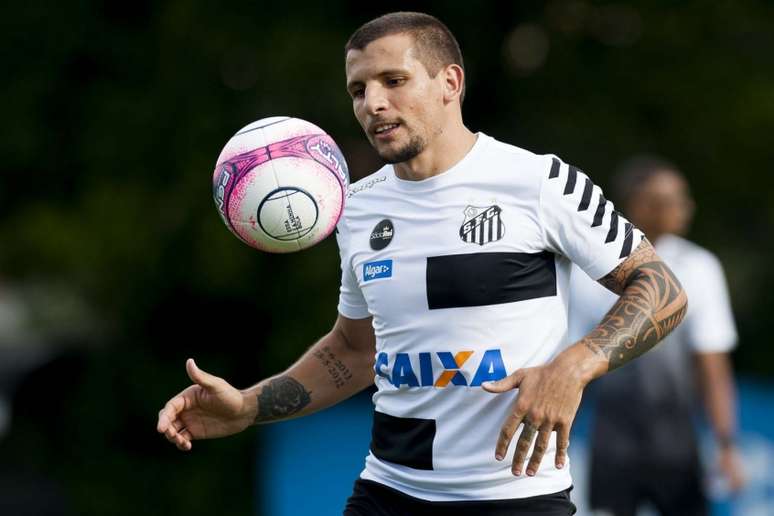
point(626, 250)
point(554, 168)
point(572, 176)
point(600, 211)
point(586, 199)
point(613, 227)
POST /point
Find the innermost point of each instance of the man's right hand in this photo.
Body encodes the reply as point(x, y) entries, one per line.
point(730, 464)
point(210, 408)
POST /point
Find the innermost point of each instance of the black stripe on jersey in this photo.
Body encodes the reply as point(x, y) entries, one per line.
point(613, 227)
point(406, 441)
point(480, 279)
point(626, 250)
point(572, 176)
point(554, 168)
point(586, 199)
point(600, 211)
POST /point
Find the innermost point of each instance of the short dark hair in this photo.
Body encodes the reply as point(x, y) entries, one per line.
point(436, 45)
point(635, 171)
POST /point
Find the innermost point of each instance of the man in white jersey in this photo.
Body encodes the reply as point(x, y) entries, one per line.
point(455, 265)
point(655, 455)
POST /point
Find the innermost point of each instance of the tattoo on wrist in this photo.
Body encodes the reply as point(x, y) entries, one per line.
point(339, 373)
point(652, 304)
point(281, 398)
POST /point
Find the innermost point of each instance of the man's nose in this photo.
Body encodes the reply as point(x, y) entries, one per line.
point(375, 100)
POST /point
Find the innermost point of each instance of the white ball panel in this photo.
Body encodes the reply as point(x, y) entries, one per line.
point(319, 181)
point(265, 244)
point(289, 129)
point(288, 214)
point(247, 196)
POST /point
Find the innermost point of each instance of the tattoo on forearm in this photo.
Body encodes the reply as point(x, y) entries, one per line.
point(339, 373)
point(652, 304)
point(281, 398)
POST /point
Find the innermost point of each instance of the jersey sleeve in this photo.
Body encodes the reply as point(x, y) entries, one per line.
point(352, 304)
point(709, 323)
point(579, 223)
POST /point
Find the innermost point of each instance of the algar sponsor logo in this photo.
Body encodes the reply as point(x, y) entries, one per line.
point(441, 369)
point(376, 270)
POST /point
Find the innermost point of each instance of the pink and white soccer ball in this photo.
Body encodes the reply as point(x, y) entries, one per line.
point(280, 184)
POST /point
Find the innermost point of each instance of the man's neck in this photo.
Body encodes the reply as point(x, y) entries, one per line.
point(446, 150)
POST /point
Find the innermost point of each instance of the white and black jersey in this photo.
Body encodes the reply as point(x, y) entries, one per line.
point(465, 275)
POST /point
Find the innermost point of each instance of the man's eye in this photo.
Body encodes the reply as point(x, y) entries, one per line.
point(358, 93)
point(396, 81)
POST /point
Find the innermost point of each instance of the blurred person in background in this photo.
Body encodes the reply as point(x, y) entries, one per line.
point(644, 442)
point(39, 322)
point(455, 263)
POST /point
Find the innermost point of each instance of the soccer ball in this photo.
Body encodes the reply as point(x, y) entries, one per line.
point(279, 184)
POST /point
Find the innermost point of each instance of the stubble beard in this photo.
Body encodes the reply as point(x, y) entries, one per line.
point(411, 150)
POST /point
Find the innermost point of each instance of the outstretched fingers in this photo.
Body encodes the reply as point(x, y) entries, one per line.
point(506, 435)
point(541, 445)
point(523, 445)
point(562, 444)
point(516, 417)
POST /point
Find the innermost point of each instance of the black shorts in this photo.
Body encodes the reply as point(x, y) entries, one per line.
point(374, 499)
point(620, 488)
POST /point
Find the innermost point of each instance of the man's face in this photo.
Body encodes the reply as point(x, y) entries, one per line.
point(398, 105)
point(663, 205)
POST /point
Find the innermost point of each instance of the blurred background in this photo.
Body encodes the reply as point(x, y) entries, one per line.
point(115, 267)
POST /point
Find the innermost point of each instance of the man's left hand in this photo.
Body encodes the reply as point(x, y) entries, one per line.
point(547, 401)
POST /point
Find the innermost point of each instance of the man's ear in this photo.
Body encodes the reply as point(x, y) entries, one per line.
point(453, 82)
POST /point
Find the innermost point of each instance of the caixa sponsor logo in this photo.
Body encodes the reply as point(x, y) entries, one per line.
point(441, 369)
point(376, 270)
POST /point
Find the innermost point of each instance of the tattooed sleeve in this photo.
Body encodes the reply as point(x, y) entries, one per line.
point(281, 398)
point(651, 305)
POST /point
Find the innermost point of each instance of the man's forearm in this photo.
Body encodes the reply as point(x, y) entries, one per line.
point(716, 376)
point(651, 305)
point(329, 372)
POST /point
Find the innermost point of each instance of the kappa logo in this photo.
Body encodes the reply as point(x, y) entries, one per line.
point(365, 186)
point(482, 225)
point(382, 234)
point(377, 270)
point(401, 370)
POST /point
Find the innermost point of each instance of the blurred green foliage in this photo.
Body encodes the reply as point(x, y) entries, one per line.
point(115, 112)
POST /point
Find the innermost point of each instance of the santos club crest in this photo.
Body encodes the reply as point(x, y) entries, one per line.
point(482, 225)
